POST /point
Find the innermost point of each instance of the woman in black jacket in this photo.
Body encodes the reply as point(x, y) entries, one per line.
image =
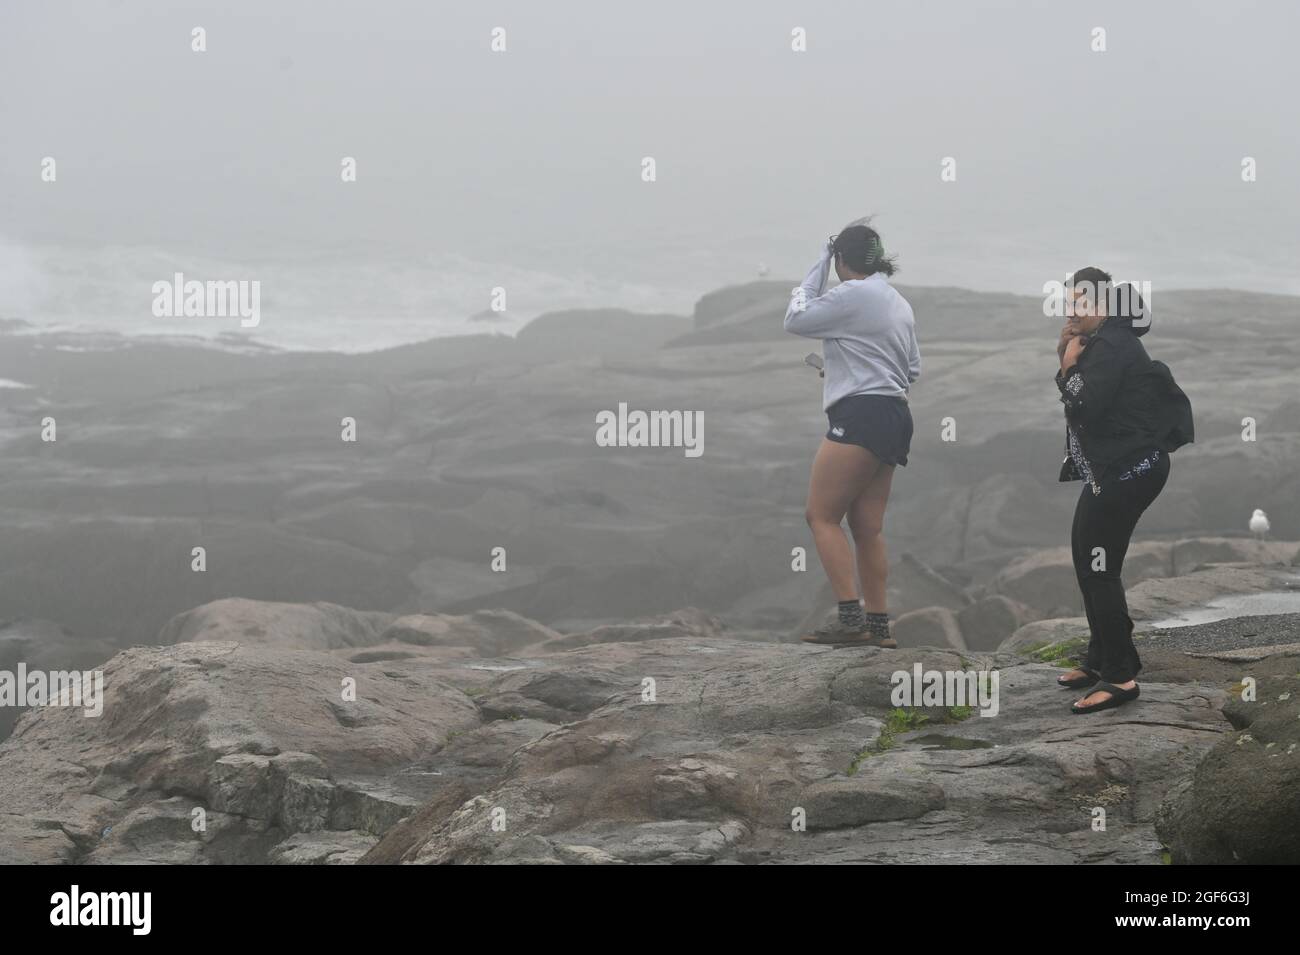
point(1124, 415)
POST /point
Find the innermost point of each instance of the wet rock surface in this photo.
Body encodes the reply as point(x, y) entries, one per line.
point(677, 744)
point(733, 750)
point(317, 734)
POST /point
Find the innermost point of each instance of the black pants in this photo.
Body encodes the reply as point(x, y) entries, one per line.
point(1106, 521)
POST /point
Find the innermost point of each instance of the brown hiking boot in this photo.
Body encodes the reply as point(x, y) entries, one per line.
point(835, 634)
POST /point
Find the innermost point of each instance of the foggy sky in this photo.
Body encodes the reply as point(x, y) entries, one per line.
point(1129, 159)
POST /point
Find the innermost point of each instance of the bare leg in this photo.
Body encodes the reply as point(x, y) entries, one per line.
point(866, 521)
point(840, 473)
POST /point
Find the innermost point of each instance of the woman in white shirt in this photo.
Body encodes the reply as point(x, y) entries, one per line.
point(870, 360)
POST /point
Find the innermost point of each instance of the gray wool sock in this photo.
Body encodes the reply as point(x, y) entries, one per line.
point(851, 614)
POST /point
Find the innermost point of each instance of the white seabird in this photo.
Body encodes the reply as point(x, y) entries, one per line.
point(1259, 524)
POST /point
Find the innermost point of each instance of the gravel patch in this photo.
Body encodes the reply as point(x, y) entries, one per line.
point(1234, 633)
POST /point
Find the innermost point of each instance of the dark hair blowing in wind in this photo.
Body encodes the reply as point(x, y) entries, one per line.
point(861, 250)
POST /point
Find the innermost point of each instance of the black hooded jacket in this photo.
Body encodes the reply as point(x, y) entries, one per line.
point(1121, 404)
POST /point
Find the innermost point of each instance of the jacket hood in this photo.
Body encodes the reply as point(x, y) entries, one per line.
point(1130, 311)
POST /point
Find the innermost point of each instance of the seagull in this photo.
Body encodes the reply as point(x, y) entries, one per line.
point(763, 270)
point(1259, 524)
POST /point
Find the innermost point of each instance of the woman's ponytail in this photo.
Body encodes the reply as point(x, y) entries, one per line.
point(861, 249)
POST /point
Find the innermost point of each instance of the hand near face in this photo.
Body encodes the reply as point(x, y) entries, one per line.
point(1073, 348)
point(1068, 331)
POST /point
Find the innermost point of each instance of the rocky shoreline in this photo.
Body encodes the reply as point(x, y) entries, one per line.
point(350, 678)
point(492, 738)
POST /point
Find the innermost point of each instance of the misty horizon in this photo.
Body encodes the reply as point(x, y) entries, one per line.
point(521, 169)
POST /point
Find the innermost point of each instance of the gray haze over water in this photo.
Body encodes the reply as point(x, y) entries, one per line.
point(522, 169)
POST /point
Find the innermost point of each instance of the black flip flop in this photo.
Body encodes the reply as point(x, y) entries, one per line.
point(1118, 697)
point(1088, 679)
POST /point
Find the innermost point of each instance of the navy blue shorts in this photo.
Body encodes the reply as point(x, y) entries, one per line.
point(880, 423)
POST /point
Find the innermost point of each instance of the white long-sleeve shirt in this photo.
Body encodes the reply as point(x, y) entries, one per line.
point(867, 331)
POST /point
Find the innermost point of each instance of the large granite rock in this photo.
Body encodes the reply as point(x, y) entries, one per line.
point(929, 627)
point(488, 632)
point(1169, 597)
point(1196, 553)
point(739, 740)
point(1156, 599)
point(989, 621)
point(1242, 805)
point(316, 626)
point(260, 739)
point(1045, 579)
point(647, 744)
point(1041, 633)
